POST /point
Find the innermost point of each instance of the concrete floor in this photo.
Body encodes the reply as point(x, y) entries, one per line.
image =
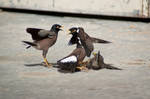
point(130, 51)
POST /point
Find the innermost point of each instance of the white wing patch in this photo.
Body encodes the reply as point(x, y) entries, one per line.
point(69, 59)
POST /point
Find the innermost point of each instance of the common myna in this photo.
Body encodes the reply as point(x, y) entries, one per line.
point(43, 39)
point(97, 62)
point(86, 40)
point(74, 60)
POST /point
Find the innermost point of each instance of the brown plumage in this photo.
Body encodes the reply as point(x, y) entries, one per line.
point(43, 39)
point(86, 40)
point(74, 59)
point(97, 62)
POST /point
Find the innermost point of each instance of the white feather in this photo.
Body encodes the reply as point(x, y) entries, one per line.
point(78, 30)
point(69, 59)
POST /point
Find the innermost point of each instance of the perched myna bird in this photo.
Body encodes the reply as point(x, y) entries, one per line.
point(85, 39)
point(73, 60)
point(97, 62)
point(43, 39)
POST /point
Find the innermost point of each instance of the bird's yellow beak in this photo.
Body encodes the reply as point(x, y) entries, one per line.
point(94, 53)
point(69, 32)
point(61, 28)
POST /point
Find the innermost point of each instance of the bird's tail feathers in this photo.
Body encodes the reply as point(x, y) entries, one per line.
point(96, 40)
point(29, 43)
point(32, 30)
point(28, 47)
point(109, 66)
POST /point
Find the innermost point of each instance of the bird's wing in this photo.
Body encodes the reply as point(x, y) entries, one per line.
point(97, 40)
point(88, 46)
point(33, 30)
point(76, 52)
point(69, 59)
point(44, 33)
point(80, 53)
point(86, 43)
point(38, 34)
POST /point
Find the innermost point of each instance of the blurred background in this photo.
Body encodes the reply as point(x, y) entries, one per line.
point(130, 8)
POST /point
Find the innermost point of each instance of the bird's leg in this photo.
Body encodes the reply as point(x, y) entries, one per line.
point(82, 68)
point(45, 60)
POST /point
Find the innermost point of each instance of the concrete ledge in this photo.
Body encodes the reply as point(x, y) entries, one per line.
point(93, 16)
point(129, 8)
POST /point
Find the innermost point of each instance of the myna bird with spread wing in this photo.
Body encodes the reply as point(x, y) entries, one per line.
point(43, 39)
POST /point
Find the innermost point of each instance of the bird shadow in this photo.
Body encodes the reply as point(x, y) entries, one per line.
point(55, 65)
point(67, 71)
point(41, 64)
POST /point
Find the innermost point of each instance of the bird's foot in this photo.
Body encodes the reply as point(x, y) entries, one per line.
point(82, 68)
point(46, 64)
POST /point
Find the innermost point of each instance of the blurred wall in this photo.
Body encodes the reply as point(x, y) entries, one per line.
point(132, 8)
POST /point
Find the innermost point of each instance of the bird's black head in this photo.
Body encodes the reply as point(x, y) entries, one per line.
point(74, 39)
point(73, 30)
point(56, 28)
